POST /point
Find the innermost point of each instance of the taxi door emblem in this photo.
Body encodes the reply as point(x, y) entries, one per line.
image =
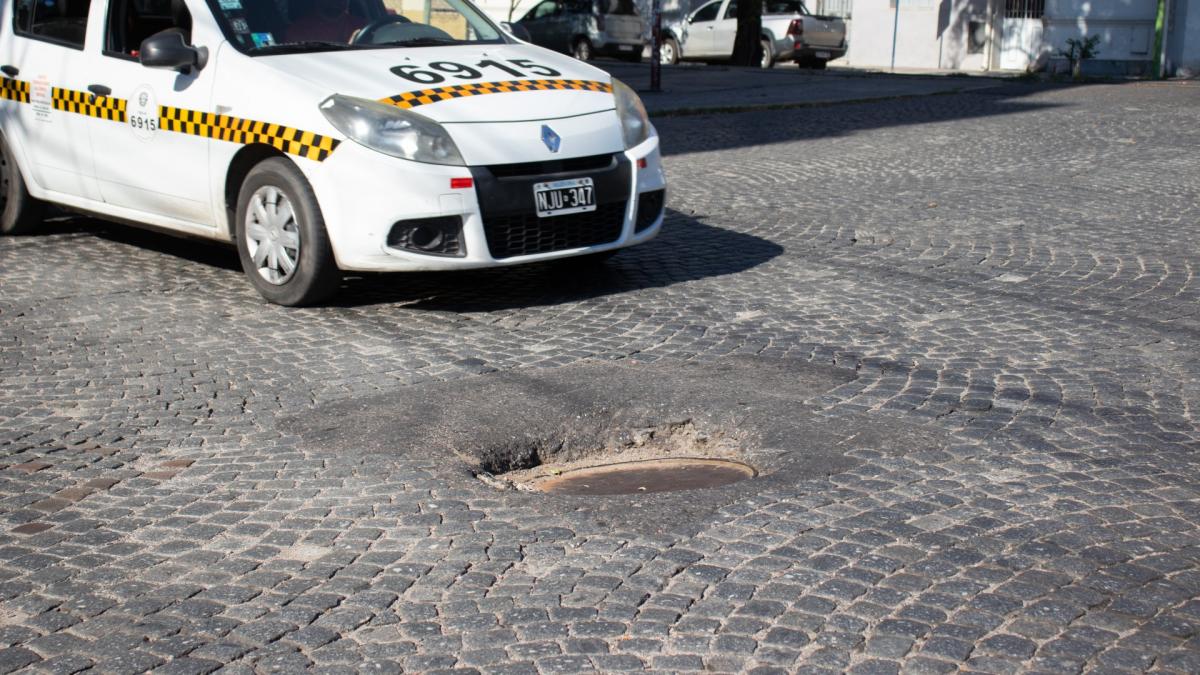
point(552, 140)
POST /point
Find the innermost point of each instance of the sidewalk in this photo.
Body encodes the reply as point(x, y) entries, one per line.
point(699, 88)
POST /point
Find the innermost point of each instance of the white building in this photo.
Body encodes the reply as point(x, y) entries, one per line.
point(978, 35)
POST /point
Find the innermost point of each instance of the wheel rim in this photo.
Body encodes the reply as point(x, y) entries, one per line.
point(766, 56)
point(582, 51)
point(272, 235)
point(667, 53)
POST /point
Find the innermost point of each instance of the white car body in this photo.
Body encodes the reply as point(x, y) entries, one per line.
point(159, 149)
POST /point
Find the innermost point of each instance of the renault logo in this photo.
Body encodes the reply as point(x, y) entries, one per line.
point(552, 140)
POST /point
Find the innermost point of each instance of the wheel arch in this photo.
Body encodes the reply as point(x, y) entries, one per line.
point(239, 167)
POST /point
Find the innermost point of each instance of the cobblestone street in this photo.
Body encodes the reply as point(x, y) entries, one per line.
point(1000, 281)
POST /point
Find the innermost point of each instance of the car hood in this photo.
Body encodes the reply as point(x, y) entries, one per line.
point(576, 89)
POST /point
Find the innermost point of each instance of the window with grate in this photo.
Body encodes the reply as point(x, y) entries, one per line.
point(1024, 9)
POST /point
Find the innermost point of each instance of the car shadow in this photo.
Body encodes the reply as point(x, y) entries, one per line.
point(687, 249)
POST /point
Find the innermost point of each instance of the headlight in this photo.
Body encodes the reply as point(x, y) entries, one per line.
point(635, 123)
point(391, 130)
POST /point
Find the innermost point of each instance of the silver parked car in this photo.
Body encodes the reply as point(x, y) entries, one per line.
point(586, 28)
point(789, 33)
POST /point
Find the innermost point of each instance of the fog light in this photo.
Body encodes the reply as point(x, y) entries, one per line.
point(431, 236)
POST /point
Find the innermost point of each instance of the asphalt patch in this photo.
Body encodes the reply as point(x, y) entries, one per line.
point(513, 420)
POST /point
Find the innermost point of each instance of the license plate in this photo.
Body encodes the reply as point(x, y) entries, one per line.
point(822, 55)
point(625, 48)
point(575, 195)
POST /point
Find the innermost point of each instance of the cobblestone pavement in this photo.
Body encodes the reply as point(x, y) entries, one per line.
point(1012, 269)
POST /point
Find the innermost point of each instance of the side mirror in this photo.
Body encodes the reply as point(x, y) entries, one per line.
point(168, 50)
point(516, 30)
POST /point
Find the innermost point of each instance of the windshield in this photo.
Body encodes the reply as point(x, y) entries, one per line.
point(291, 26)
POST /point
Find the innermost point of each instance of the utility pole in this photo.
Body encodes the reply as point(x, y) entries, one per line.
point(656, 47)
point(1162, 31)
point(895, 32)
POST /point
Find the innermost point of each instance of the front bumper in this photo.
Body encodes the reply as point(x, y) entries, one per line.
point(363, 193)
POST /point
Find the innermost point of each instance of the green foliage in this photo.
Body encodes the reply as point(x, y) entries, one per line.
point(1078, 51)
point(1081, 49)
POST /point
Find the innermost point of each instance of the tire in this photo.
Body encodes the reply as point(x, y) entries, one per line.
point(20, 213)
point(263, 226)
point(582, 49)
point(768, 56)
point(668, 52)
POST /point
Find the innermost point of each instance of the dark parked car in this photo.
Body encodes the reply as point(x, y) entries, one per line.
point(586, 28)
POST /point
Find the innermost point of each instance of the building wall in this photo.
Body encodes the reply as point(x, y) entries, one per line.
point(936, 33)
point(929, 33)
point(1183, 43)
point(1126, 29)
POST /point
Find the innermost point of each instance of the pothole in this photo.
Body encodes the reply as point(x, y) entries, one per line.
point(666, 458)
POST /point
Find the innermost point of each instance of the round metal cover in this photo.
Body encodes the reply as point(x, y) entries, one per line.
point(653, 475)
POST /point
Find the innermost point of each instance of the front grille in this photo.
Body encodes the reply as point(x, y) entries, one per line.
point(570, 165)
point(526, 234)
point(650, 206)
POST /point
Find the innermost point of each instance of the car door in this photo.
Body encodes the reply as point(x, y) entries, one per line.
point(140, 165)
point(47, 109)
point(725, 32)
point(701, 27)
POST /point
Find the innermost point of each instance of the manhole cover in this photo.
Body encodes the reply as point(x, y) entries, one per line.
point(655, 475)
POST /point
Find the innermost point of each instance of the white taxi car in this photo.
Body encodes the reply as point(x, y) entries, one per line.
point(321, 135)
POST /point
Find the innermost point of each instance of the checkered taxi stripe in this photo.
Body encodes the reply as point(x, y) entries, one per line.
point(236, 130)
point(192, 122)
point(85, 103)
point(412, 99)
point(14, 90)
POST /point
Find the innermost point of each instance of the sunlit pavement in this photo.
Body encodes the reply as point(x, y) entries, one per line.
point(997, 287)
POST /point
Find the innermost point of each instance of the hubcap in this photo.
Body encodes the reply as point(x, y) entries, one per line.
point(667, 54)
point(272, 235)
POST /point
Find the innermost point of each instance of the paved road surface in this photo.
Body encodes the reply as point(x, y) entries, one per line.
point(1011, 273)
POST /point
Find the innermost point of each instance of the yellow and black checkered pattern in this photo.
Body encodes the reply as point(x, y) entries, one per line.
point(236, 130)
point(86, 103)
point(14, 90)
point(412, 99)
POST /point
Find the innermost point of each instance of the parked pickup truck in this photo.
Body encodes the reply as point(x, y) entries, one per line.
point(789, 33)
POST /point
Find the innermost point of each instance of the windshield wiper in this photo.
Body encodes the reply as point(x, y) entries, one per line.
point(419, 42)
point(302, 46)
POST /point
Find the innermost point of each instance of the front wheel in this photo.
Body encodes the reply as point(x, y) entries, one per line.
point(668, 52)
point(281, 237)
point(19, 211)
point(582, 49)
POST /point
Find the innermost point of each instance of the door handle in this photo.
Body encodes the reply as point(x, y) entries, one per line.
point(10, 71)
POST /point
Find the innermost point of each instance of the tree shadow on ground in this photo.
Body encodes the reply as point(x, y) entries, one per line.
point(708, 132)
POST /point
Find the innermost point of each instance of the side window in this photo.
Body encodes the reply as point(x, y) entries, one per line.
point(131, 21)
point(546, 9)
point(707, 12)
point(731, 11)
point(60, 21)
